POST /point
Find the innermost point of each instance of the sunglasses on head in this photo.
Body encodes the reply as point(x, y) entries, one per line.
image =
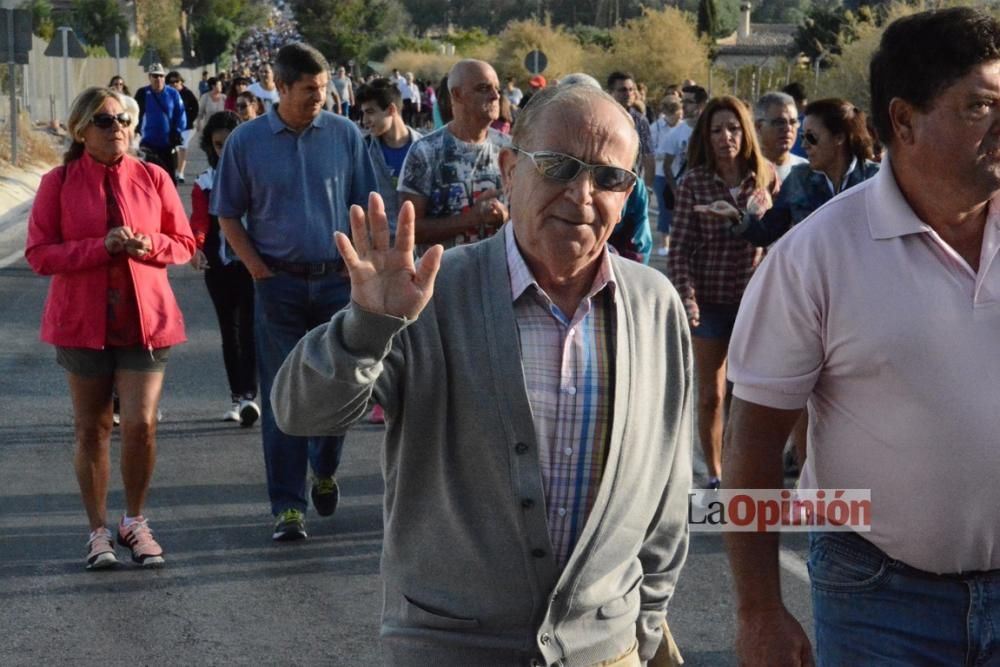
point(810, 138)
point(564, 168)
point(106, 120)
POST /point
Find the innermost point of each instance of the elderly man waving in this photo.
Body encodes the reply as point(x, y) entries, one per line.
point(537, 399)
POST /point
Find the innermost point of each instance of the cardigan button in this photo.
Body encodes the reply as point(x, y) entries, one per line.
point(521, 448)
point(538, 553)
point(527, 503)
point(545, 638)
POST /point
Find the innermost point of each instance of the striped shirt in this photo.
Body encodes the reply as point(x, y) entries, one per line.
point(568, 365)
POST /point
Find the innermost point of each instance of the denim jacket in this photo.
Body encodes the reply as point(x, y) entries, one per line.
point(801, 193)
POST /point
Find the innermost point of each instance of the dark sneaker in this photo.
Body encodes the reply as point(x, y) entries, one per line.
point(101, 550)
point(291, 525)
point(325, 495)
point(139, 539)
point(249, 412)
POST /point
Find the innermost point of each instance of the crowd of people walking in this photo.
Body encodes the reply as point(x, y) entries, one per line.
point(541, 387)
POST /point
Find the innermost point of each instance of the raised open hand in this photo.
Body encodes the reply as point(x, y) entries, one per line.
point(384, 279)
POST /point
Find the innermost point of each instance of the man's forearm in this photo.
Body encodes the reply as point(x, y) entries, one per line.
point(435, 230)
point(755, 441)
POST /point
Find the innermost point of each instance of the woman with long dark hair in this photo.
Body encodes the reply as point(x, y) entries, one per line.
point(708, 266)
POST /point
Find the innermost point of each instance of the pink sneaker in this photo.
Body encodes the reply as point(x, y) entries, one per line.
point(139, 538)
point(377, 416)
point(101, 550)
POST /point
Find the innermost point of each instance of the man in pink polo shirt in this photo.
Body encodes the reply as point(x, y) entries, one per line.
point(882, 311)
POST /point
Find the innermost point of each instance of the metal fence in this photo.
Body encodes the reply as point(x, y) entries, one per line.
point(43, 95)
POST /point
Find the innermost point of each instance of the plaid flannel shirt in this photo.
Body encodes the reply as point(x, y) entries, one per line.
point(706, 263)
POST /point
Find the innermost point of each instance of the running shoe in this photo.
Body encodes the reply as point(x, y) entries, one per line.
point(249, 412)
point(139, 539)
point(714, 483)
point(233, 413)
point(101, 550)
point(325, 495)
point(291, 525)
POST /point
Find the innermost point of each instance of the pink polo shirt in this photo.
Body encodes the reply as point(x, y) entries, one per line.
point(895, 342)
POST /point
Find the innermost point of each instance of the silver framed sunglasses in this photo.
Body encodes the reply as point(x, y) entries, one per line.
point(564, 168)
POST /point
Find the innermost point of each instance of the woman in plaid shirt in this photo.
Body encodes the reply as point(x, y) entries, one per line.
point(708, 266)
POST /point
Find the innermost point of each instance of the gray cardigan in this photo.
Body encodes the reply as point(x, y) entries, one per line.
point(466, 562)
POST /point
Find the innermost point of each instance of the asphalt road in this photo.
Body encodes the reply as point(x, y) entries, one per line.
point(228, 595)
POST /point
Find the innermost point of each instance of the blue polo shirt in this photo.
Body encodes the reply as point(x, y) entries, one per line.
point(296, 189)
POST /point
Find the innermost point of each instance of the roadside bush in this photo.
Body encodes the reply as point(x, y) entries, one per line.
point(661, 47)
point(431, 66)
point(564, 53)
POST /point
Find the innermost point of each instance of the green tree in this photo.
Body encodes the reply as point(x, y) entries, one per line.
point(780, 11)
point(211, 37)
point(708, 20)
point(208, 28)
point(158, 20)
point(825, 31)
point(41, 18)
point(95, 21)
point(348, 29)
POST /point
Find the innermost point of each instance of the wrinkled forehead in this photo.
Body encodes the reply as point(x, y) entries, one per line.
point(586, 129)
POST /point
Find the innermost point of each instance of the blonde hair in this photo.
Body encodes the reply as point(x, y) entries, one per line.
point(699, 147)
point(82, 112)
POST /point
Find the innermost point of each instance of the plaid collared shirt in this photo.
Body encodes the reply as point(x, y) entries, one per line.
point(707, 264)
point(568, 365)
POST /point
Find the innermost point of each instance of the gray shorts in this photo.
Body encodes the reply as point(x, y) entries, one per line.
point(98, 363)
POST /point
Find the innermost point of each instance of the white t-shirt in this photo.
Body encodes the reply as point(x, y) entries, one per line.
point(404, 88)
point(784, 169)
point(675, 143)
point(268, 97)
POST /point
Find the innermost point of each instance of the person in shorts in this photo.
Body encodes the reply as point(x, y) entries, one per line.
point(105, 226)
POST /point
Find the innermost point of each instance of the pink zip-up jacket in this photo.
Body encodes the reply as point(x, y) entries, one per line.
point(66, 233)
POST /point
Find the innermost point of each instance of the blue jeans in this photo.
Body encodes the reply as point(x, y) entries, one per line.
point(665, 216)
point(285, 308)
point(872, 610)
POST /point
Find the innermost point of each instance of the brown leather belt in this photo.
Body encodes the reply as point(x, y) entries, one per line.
point(307, 269)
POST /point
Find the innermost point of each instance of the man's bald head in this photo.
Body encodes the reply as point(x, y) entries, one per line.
point(475, 93)
point(465, 70)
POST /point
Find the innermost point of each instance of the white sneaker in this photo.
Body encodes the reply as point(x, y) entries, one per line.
point(233, 413)
point(249, 412)
point(662, 252)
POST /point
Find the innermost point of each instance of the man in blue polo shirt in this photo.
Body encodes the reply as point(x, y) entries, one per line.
point(162, 120)
point(293, 173)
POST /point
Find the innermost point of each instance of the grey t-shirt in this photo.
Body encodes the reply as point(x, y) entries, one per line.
point(343, 87)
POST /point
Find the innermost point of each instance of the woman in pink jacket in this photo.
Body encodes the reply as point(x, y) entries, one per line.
point(105, 226)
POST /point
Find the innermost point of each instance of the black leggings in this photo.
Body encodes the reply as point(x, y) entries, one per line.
point(231, 289)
